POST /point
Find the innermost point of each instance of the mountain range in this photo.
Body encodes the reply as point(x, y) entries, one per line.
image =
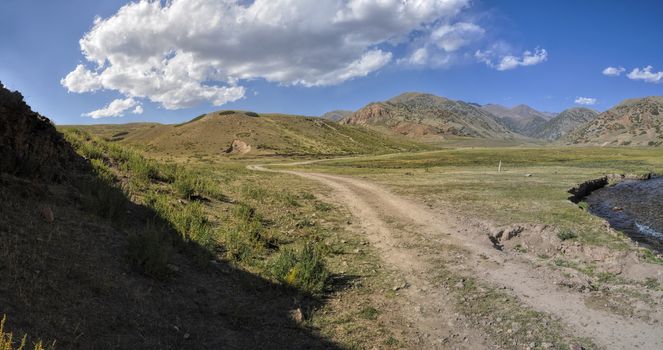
point(430, 118)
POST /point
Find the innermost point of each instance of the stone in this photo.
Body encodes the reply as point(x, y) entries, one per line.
point(47, 214)
point(297, 315)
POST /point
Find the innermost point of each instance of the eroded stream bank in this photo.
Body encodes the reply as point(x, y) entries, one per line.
point(633, 205)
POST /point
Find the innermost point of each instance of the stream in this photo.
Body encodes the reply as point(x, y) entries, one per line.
point(634, 207)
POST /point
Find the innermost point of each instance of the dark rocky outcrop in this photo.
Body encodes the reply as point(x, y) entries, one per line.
point(30, 146)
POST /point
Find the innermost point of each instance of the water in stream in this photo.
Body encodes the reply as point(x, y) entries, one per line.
point(634, 207)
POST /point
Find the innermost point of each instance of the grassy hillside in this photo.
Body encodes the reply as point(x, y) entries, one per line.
point(246, 134)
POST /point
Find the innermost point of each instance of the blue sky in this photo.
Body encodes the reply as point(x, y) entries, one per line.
point(174, 61)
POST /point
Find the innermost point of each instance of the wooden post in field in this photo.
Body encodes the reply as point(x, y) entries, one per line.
point(499, 167)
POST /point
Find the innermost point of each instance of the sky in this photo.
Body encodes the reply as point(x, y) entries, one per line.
point(113, 61)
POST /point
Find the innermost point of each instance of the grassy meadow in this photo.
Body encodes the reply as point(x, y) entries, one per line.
point(530, 188)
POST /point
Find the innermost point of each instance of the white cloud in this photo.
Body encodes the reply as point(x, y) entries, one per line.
point(501, 62)
point(585, 101)
point(452, 37)
point(138, 110)
point(613, 71)
point(441, 46)
point(113, 109)
point(183, 52)
point(646, 74)
point(81, 80)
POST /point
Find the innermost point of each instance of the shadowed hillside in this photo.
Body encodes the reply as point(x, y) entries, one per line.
point(90, 261)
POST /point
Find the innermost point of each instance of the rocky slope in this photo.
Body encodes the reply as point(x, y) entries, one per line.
point(522, 119)
point(30, 145)
point(426, 116)
point(634, 122)
point(337, 115)
point(565, 122)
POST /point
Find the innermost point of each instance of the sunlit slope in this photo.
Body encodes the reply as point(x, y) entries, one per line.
point(249, 134)
point(635, 122)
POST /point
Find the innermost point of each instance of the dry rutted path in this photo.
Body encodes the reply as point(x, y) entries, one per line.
point(399, 228)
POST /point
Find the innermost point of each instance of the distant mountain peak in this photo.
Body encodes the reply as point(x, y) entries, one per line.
point(424, 115)
point(407, 97)
point(336, 115)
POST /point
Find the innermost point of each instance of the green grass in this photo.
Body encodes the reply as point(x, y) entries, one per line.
point(468, 181)
point(566, 235)
point(303, 269)
point(174, 192)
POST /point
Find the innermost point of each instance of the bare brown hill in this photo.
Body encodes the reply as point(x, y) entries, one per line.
point(634, 122)
point(430, 118)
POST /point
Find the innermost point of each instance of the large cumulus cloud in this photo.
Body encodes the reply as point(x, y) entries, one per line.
point(183, 52)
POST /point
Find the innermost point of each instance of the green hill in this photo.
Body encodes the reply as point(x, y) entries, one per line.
point(247, 134)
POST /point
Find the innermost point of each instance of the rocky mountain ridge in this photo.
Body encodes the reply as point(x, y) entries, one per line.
point(421, 115)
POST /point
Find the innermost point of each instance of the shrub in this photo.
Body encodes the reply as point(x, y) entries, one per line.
point(240, 246)
point(90, 151)
point(226, 112)
point(289, 199)
point(150, 251)
point(369, 313)
point(186, 185)
point(650, 257)
point(253, 192)
point(651, 283)
point(103, 199)
point(252, 114)
point(566, 235)
point(304, 270)
point(142, 169)
point(322, 206)
point(307, 196)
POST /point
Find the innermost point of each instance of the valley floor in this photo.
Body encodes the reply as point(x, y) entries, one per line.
point(456, 289)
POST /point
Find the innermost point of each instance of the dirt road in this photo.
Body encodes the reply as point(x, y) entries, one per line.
point(395, 225)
